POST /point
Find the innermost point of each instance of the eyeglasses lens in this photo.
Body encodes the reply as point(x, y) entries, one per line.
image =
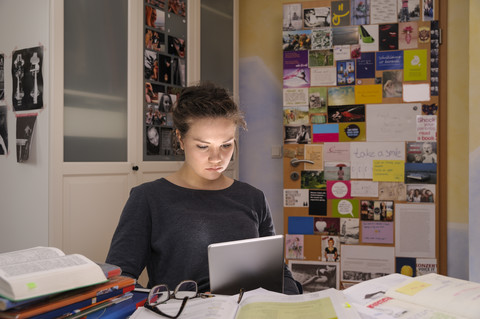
point(158, 294)
point(186, 289)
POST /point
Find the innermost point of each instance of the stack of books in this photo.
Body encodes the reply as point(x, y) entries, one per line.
point(43, 282)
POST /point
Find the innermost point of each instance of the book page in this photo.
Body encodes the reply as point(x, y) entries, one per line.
point(29, 255)
point(442, 293)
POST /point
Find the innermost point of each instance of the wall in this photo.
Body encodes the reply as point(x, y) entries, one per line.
point(24, 186)
point(474, 142)
point(260, 96)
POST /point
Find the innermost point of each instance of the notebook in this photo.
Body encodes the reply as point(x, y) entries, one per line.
point(248, 264)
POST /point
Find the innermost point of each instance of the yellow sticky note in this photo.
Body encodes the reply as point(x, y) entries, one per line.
point(413, 288)
point(388, 171)
point(368, 94)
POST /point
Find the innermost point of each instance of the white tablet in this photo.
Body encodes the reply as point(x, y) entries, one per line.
point(248, 264)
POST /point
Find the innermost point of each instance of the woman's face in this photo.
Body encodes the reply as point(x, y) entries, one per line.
point(153, 136)
point(208, 147)
point(166, 101)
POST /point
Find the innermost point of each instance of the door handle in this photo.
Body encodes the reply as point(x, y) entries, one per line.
point(294, 162)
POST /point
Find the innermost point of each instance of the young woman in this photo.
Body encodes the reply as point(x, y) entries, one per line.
point(167, 225)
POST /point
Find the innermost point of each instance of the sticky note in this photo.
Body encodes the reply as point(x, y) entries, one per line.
point(413, 288)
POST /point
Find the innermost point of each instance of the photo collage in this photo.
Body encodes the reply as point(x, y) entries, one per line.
point(165, 33)
point(361, 107)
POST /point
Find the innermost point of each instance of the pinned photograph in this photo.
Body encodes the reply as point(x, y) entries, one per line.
point(154, 40)
point(150, 66)
point(296, 40)
point(388, 37)
point(321, 39)
point(316, 17)
point(360, 12)
point(346, 113)
point(294, 246)
point(408, 10)
point(327, 226)
point(2, 77)
point(3, 130)
point(330, 248)
point(292, 17)
point(315, 275)
point(392, 83)
point(320, 58)
point(349, 230)
point(27, 78)
point(25, 130)
point(421, 193)
point(178, 7)
point(154, 18)
point(376, 210)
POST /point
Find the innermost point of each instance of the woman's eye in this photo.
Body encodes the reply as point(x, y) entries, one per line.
point(202, 147)
point(226, 145)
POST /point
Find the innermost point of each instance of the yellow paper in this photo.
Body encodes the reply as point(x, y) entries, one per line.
point(318, 309)
point(388, 171)
point(413, 288)
point(368, 94)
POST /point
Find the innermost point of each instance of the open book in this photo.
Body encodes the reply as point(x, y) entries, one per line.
point(261, 304)
point(427, 296)
point(39, 271)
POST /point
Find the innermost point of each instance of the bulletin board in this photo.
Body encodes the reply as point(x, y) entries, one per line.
point(361, 119)
point(164, 74)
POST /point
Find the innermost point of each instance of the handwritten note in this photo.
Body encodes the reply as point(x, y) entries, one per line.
point(392, 122)
point(362, 155)
point(364, 189)
point(388, 171)
point(368, 94)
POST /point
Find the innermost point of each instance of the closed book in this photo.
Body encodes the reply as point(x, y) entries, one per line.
point(73, 300)
point(123, 309)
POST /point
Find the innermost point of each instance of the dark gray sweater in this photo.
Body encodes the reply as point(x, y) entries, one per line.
point(167, 228)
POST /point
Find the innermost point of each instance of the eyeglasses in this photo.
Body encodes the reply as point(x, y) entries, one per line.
point(185, 290)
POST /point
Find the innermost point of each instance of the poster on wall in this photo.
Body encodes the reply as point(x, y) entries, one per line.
point(27, 79)
point(25, 130)
point(165, 74)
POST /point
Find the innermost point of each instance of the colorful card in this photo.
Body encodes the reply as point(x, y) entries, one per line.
point(377, 232)
point(295, 59)
point(338, 189)
point(390, 60)
point(366, 66)
point(352, 132)
point(300, 225)
point(325, 133)
point(345, 208)
point(388, 170)
point(415, 65)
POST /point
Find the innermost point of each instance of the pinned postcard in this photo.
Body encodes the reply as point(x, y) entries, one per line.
point(383, 11)
point(392, 83)
point(392, 191)
point(408, 35)
point(426, 265)
point(420, 193)
point(426, 128)
point(364, 189)
point(295, 97)
point(419, 173)
point(360, 12)
point(314, 153)
point(295, 115)
point(408, 10)
point(318, 202)
point(321, 38)
point(295, 59)
point(317, 100)
point(390, 60)
point(405, 266)
point(368, 94)
point(299, 134)
point(336, 152)
point(352, 132)
point(416, 92)
point(362, 155)
point(320, 58)
point(316, 17)
point(422, 152)
point(340, 13)
point(349, 230)
point(368, 38)
point(292, 17)
point(345, 35)
point(377, 232)
point(295, 197)
point(362, 262)
point(296, 40)
point(296, 78)
point(415, 65)
point(345, 208)
point(323, 76)
point(341, 52)
point(376, 210)
point(327, 226)
point(294, 246)
point(392, 122)
point(388, 171)
point(330, 248)
point(337, 171)
point(300, 225)
point(338, 189)
point(312, 180)
point(346, 72)
point(343, 95)
point(388, 35)
point(366, 66)
point(346, 113)
point(325, 133)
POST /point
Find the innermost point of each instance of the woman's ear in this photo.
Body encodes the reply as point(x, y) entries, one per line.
point(179, 138)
